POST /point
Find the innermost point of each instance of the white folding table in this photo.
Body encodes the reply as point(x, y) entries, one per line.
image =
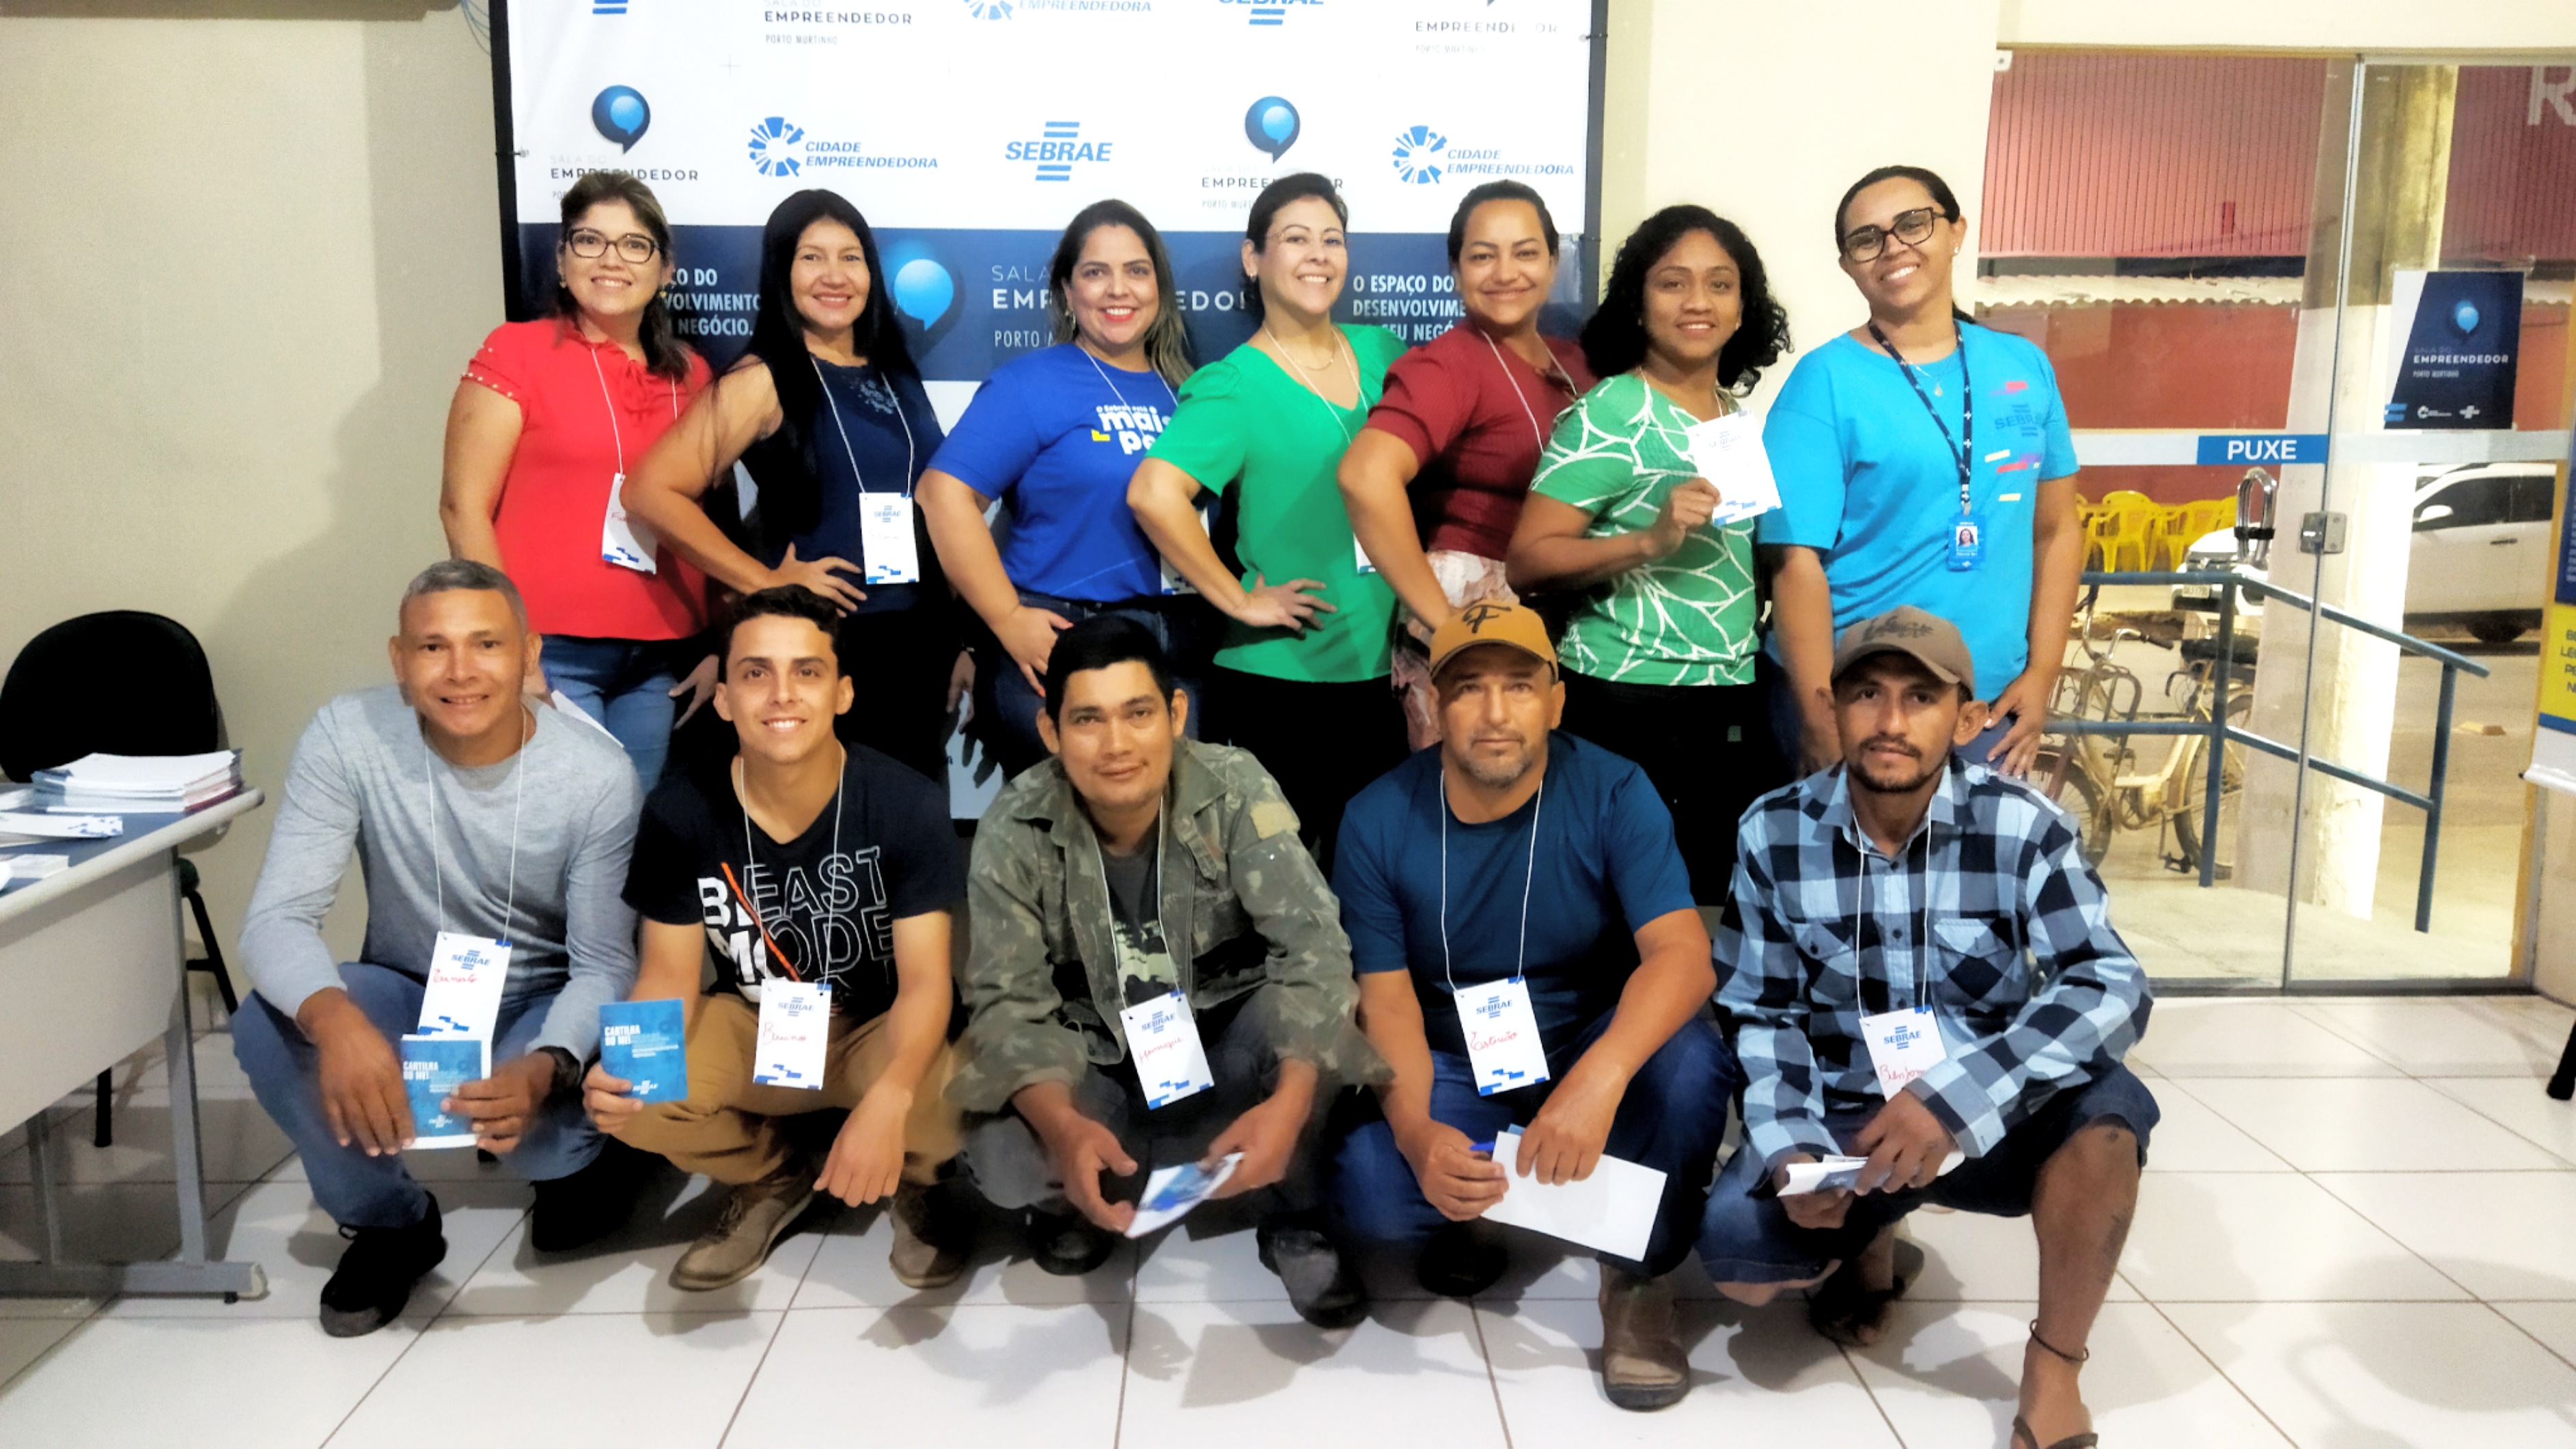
point(93, 965)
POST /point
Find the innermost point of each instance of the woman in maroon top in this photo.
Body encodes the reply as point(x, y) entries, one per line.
point(1434, 483)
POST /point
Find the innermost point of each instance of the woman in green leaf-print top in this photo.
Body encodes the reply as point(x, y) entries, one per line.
point(1660, 645)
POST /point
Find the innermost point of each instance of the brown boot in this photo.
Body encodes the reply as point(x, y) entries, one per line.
point(920, 1257)
point(1642, 1363)
point(755, 1217)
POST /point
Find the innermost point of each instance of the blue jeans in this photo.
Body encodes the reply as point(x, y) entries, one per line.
point(1672, 1119)
point(1000, 688)
point(359, 1191)
point(625, 684)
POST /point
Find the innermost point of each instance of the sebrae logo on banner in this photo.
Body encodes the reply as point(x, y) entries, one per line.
point(1058, 150)
point(608, 7)
point(1272, 12)
point(1424, 157)
point(779, 147)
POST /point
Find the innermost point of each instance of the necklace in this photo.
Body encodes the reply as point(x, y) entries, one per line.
point(1308, 379)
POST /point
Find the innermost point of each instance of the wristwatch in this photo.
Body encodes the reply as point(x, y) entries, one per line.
point(567, 1068)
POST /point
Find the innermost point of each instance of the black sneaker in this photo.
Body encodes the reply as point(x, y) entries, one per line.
point(1068, 1245)
point(1462, 1259)
point(1324, 1290)
point(580, 1209)
point(377, 1272)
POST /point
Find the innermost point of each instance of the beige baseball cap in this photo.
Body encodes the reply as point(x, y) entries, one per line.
point(1927, 638)
point(1492, 621)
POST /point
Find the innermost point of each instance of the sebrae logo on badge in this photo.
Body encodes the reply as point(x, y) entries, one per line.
point(1058, 150)
point(621, 114)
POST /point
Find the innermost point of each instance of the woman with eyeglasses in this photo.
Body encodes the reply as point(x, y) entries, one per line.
point(1434, 483)
point(1659, 648)
point(1056, 435)
point(550, 417)
point(1925, 460)
point(826, 412)
point(1301, 678)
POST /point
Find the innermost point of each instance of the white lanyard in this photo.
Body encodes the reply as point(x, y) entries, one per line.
point(616, 434)
point(842, 428)
point(518, 802)
point(1523, 398)
point(1339, 346)
point(1529, 874)
point(1113, 387)
point(750, 892)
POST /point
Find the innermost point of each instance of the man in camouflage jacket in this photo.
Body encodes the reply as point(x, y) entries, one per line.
point(1135, 865)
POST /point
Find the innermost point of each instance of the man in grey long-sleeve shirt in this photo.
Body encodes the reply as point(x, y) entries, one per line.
point(471, 812)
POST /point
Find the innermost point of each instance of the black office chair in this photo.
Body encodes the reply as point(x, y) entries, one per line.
point(120, 683)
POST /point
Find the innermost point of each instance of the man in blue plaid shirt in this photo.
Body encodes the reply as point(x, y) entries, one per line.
point(1918, 970)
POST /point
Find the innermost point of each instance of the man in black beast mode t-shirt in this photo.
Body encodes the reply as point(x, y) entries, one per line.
point(806, 861)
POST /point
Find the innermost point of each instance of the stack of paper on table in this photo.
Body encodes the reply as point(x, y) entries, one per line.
point(144, 784)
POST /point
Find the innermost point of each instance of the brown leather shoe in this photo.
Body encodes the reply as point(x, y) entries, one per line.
point(1642, 1363)
point(920, 1258)
point(755, 1217)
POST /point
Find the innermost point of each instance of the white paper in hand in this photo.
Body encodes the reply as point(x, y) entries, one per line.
point(1834, 1174)
point(1728, 453)
point(1172, 1191)
point(1612, 1211)
point(795, 1033)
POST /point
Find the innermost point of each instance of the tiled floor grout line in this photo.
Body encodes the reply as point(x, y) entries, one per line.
point(1126, 1350)
point(1485, 1353)
point(434, 1318)
point(2223, 1376)
point(2510, 1321)
point(1862, 1379)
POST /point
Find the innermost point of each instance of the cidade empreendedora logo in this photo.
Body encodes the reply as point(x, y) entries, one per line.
point(1059, 148)
point(1421, 154)
point(777, 148)
point(989, 9)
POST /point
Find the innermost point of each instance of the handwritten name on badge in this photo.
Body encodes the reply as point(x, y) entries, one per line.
point(1501, 1029)
point(795, 1031)
point(1163, 1039)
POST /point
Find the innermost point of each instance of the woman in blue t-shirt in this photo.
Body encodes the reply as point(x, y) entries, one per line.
point(826, 412)
point(1893, 490)
point(1055, 435)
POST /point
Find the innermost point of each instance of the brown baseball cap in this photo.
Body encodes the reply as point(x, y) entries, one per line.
point(1927, 638)
point(1492, 621)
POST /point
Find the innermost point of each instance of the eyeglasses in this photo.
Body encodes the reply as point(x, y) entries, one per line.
point(591, 246)
point(1864, 243)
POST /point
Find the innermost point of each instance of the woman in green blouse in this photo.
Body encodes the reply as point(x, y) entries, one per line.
point(1660, 644)
point(1301, 680)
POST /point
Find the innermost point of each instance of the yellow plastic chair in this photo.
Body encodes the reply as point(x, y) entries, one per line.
point(2129, 525)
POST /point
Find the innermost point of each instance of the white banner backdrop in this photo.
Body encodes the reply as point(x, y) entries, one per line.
point(970, 131)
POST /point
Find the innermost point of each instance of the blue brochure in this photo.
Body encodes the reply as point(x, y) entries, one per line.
point(434, 1067)
point(643, 1043)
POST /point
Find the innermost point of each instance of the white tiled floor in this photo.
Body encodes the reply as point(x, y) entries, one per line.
point(2358, 1232)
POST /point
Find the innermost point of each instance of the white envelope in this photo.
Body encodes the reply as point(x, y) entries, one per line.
point(1612, 1211)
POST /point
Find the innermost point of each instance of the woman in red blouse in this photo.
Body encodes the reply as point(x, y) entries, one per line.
point(547, 420)
point(1434, 483)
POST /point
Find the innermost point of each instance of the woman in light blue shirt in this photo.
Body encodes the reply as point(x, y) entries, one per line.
point(1901, 485)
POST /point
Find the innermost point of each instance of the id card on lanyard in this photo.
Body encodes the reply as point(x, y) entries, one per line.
point(621, 541)
point(462, 996)
point(887, 553)
point(1495, 1017)
point(1904, 1044)
point(1967, 541)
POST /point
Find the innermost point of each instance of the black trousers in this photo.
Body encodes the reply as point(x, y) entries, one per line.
point(1323, 743)
point(1707, 749)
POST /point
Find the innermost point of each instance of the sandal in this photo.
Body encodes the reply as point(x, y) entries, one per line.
point(2022, 1435)
point(1840, 1306)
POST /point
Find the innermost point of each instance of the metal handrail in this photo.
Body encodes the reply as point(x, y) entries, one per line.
point(2219, 732)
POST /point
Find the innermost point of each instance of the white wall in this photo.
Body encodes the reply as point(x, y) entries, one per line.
point(241, 263)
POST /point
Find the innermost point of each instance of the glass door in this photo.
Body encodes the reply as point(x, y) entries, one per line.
point(2434, 353)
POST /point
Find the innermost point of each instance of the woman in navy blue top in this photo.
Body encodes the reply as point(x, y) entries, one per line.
point(827, 413)
point(1055, 435)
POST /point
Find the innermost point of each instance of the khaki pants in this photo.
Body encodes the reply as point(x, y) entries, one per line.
point(728, 1126)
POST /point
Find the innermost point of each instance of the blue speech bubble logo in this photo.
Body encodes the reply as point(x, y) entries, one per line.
point(2465, 317)
point(923, 289)
point(1271, 126)
point(620, 114)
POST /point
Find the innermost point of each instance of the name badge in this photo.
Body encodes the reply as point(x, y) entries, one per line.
point(1902, 1045)
point(619, 542)
point(795, 1029)
point(1967, 542)
point(1173, 583)
point(466, 974)
point(885, 539)
point(1502, 1035)
point(1360, 555)
point(1163, 1042)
